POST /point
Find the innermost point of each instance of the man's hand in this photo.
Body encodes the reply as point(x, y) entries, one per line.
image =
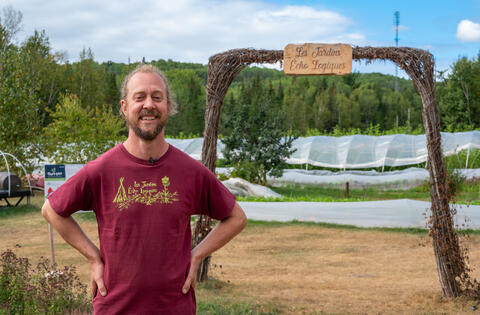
point(191, 280)
point(74, 235)
point(97, 279)
point(219, 236)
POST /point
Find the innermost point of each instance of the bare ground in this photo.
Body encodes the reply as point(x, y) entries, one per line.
point(297, 269)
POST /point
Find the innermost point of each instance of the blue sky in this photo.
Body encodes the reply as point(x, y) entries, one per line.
point(193, 30)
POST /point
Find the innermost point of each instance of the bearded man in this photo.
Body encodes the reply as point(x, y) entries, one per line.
point(143, 192)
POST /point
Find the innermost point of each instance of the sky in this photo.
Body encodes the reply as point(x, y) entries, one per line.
point(193, 30)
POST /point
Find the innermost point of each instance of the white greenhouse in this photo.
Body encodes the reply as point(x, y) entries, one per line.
point(357, 151)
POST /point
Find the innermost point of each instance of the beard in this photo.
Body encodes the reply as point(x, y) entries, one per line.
point(145, 134)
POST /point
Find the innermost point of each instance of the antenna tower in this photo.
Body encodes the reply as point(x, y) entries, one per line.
point(397, 22)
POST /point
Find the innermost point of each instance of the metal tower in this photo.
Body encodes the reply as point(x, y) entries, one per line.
point(397, 22)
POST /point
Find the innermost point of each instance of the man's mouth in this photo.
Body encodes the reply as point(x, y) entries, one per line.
point(148, 117)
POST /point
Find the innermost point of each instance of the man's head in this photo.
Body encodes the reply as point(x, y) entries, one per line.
point(146, 101)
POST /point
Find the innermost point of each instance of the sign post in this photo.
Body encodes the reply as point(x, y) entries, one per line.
point(55, 176)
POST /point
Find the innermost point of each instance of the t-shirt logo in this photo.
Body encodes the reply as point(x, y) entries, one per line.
point(144, 192)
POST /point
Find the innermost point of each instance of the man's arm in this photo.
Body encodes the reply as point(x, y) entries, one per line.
point(71, 232)
point(219, 236)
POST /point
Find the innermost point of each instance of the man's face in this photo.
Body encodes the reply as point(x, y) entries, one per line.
point(146, 107)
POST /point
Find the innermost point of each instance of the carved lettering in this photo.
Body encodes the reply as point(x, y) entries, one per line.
point(310, 59)
point(298, 65)
point(325, 52)
point(301, 52)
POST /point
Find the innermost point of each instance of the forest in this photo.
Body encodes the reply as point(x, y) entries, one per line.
point(45, 99)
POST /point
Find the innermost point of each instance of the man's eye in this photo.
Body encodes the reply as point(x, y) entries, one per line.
point(158, 98)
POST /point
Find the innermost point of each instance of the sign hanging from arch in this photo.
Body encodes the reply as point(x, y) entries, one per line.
point(315, 59)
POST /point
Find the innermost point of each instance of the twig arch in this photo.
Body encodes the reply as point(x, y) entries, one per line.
point(453, 270)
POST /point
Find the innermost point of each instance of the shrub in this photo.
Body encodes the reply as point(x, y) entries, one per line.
point(256, 147)
point(27, 290)
point(78, 134)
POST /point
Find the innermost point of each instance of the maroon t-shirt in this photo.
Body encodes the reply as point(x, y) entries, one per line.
point(143, 211)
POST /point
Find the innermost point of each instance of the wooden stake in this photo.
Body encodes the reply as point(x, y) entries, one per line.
point(52, 247)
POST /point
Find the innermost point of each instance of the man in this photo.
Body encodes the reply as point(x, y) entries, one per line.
point(143, 192)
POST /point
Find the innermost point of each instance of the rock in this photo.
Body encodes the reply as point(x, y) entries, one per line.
point(243, 188)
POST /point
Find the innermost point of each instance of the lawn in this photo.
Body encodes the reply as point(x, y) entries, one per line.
point(468, 192)
point(290, 268)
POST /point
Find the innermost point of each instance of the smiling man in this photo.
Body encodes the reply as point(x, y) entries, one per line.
point(143, 192)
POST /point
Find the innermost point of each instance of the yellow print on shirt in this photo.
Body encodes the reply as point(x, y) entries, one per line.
point(144, 192)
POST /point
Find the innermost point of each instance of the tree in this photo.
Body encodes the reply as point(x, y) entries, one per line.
point(19, 108)
point(89, 80)
point(10, 24)
point(78, 134)
point(256, 147)
point(190, 96)
point(44, 71)
point(459, 96)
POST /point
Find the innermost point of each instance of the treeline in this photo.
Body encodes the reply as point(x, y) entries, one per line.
point(41, 91)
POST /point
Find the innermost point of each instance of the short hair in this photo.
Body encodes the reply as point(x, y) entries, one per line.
point(149, 68)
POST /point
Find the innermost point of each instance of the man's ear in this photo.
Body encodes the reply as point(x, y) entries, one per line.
point(123, 105)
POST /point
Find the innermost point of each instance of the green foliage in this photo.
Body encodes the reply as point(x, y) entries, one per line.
point(256, 147)
point(459, 96)
point(459, 160)
point(371, 130)
point(19, 105)
point(78, 134)
point(27, 290)
point(454, 180)
point(190, 96)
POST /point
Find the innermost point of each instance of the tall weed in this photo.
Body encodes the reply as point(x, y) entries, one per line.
point(39, 290)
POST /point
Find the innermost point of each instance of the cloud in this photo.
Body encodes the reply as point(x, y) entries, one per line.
point(468, 31)
point(185, 30)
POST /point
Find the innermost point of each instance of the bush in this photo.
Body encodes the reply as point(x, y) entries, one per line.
point(27, 290)
point(246, 170)
point(78, 134)
point(455, 179)
point(256, 147)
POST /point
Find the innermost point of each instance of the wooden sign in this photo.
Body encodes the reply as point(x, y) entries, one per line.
point(311, 59)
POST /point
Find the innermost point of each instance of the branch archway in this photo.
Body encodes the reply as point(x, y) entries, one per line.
point(453, 271)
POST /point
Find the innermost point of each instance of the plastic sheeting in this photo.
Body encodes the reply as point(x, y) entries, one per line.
point(357, 151)
point(384, 213)
point(401, 179)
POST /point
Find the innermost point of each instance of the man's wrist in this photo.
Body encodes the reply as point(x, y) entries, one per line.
point(196, 256)
point(95, 258)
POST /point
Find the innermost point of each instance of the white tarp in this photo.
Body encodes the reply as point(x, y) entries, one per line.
point(383, 213)
point(357, 151)
point(401, 179)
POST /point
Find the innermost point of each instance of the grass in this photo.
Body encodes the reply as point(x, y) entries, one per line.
point(291, 268)
point(21, 210)
point(468, 193)
point(222, 307)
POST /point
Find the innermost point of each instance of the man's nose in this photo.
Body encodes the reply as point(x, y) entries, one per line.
point(148, 102)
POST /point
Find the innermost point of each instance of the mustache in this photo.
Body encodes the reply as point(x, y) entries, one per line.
point(150, 112)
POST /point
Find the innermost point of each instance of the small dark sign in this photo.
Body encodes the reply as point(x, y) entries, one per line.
point(55, 172)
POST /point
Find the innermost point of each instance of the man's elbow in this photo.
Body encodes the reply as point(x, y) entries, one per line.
point(241, 218)
point(47, 211)
point(243, 222)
